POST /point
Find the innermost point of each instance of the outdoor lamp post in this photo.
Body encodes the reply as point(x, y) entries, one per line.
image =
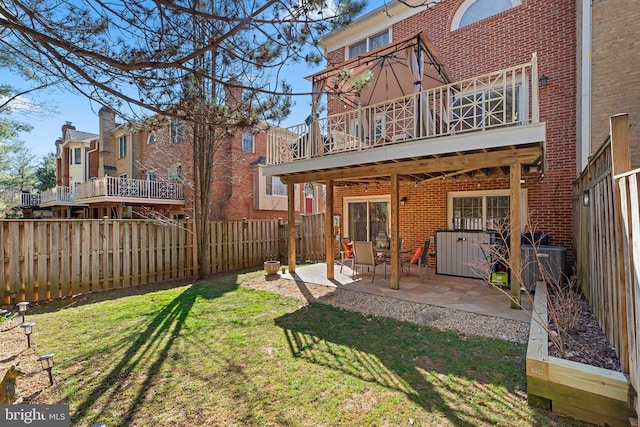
point(46, 362)
point(28, 328)
point(22, 308)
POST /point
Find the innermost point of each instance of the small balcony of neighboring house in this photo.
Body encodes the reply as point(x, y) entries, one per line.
point(129, 191)
point(57, 196)
point(29, 200)
point(409, 108)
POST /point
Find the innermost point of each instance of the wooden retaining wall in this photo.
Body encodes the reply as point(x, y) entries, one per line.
point(49, 259)
point(587, 393)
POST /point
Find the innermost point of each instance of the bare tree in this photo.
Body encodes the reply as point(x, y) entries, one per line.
point(178, 59)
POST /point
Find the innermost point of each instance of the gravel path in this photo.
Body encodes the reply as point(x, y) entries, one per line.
point(467, 324)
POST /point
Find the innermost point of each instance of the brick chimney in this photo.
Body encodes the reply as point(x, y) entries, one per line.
point(107, 161)
point(65, 127)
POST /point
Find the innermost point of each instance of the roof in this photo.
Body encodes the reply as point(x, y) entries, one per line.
point(78, 136)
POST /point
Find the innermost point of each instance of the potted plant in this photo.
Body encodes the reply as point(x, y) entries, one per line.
point(271, 266)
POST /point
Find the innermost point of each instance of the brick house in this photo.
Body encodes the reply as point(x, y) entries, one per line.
point(468, 119)
point(133, 171)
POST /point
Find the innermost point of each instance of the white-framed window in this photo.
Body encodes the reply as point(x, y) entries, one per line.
point(151, 139)
point(122, 146)
point(483, 209)
point(476, 10)
point(77, 156)
point(500, 104)
point(152, 175)
point(174, 172)
point(370, 43)
point(247, 141)
point(275, 187)
point(176, 131)
point(366, 217)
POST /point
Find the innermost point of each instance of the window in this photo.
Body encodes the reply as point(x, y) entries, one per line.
point(482, 210)
point(476, 10)
point(152, 138)
point(275, 187)
point(77, 156)
point(122, 146)
point(247, 140)
point(366, 218)
point(176, 131)
point(370, 43)
point(152, 175)
point(174, 172)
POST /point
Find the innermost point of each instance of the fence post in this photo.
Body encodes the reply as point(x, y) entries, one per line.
point(621, 163)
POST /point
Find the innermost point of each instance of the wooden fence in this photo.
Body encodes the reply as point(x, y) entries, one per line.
point(41, 260)
point(606, 218)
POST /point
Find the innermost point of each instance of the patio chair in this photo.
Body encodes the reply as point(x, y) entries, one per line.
point(346, 252)
point(364, 255)
point(421, 258)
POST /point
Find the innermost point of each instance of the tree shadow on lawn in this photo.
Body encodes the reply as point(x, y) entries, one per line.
point(438, 370)
point(150, 349)
point(112, 294)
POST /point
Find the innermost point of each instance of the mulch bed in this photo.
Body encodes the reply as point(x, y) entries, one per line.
point(586, 343)
point(34, 386)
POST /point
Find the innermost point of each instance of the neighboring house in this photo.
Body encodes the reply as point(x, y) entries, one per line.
point(608, 75)
point(467, 121)
point(134, 171)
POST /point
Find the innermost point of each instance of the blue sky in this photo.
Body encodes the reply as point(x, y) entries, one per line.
point(60, 107)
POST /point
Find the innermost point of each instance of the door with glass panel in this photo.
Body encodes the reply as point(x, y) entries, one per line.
point(366, 219)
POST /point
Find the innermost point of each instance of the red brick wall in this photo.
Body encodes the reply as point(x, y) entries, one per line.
point(509, 38)
point(229, 200)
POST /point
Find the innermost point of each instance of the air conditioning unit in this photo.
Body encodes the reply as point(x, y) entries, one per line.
point(553, 259)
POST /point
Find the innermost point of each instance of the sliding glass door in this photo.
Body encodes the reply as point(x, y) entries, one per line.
point(366, 218)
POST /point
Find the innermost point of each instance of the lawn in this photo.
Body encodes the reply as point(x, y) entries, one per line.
point(214, 353)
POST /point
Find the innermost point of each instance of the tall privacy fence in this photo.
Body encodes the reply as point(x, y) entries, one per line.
point(41, 260)
point(606, 218)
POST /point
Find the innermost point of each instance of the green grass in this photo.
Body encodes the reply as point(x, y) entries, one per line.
point(213, 353)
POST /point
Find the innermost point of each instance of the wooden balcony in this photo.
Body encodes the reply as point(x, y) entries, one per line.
point(57, 196)
point(130, 191)
point(491, 112)
point(115, 190)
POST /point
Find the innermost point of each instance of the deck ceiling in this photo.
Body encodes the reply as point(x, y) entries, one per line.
point(483, 163)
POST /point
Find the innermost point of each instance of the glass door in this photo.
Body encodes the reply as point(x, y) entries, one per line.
point(366, 219)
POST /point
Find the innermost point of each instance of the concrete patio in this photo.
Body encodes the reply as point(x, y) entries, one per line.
point(465, 294)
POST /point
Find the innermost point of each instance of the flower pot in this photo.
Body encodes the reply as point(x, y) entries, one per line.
point(271, 267)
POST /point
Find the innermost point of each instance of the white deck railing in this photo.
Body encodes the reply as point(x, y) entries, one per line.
point(29, 199)
point(110, 186)
point(57, 194)
point(504, 98)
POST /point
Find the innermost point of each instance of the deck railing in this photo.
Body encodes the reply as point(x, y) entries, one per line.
point(110, 186)
point(504, 98)
point(57, 194)
point(29, 199)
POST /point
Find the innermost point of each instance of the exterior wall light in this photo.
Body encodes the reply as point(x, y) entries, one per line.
point(403, 201)
point(585, 198)
point(544, 79)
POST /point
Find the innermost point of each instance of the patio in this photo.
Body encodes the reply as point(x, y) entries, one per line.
point(471, 295)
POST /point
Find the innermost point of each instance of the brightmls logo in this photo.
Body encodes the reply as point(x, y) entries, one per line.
point(34, 415)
